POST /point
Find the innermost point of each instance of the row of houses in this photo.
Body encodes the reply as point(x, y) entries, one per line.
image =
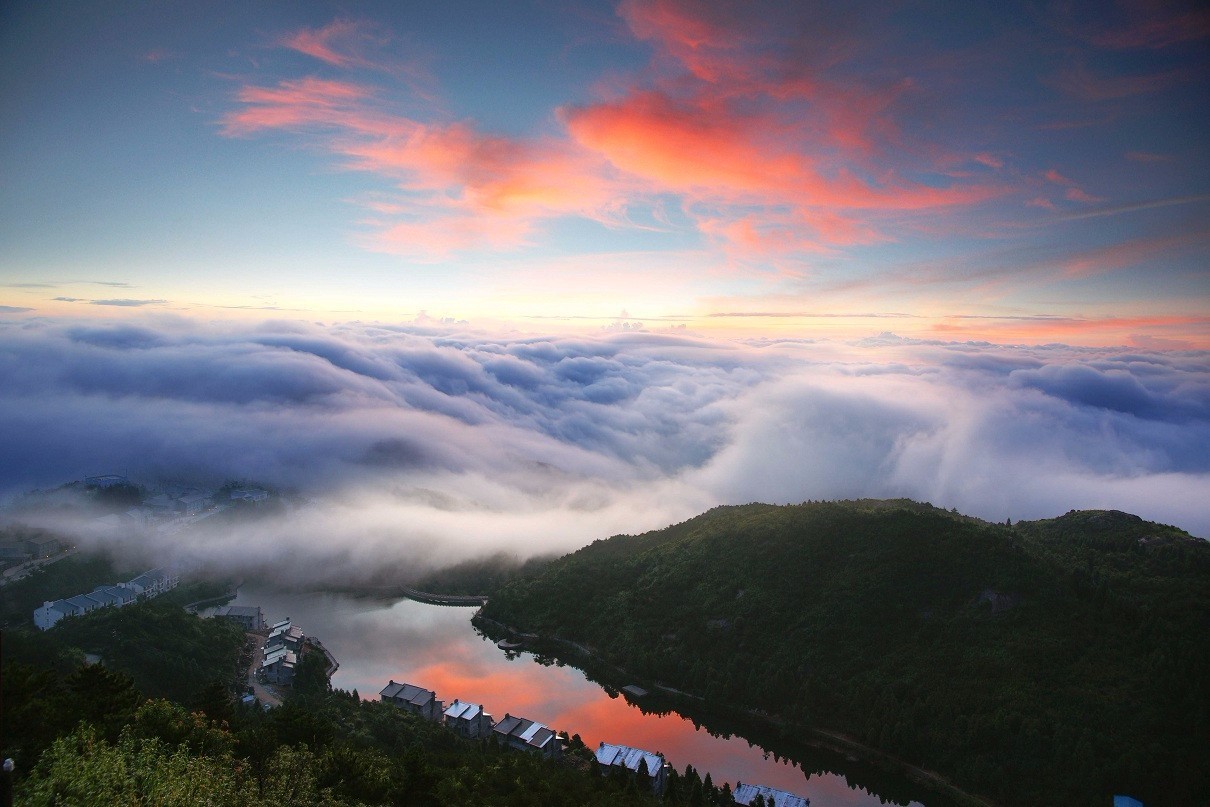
point(772, 797)
point(281, 652)
point(471, 721)
point(151, 583)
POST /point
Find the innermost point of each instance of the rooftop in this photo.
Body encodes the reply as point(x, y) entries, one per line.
point(745, 794)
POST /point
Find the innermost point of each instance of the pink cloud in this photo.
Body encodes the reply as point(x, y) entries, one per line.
point(1153, 26)
point(1086, 85)
point(1148, 157)
point(768, 148)
point(458, 188)
point(1077, 195)
point(341, 43)
point(1054, 176)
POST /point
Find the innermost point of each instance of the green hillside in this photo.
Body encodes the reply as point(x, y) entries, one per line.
point(1050, 662)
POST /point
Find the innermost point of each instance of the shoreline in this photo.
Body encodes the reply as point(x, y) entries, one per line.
point(834, 741)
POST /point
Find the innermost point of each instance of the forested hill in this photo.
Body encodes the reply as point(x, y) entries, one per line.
point(1047, 662)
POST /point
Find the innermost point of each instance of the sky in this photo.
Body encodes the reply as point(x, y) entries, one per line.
point(1027, 172)
point(534, 273)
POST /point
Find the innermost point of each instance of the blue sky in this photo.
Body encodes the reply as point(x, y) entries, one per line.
point(1027, 173)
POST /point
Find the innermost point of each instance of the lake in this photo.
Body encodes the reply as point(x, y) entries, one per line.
point(437, 648)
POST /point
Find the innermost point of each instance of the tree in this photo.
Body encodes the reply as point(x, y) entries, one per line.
point(311, 675)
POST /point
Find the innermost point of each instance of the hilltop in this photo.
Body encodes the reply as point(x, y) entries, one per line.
point(1053, 661)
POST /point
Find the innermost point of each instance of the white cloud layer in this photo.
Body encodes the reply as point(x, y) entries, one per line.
point(422, 446)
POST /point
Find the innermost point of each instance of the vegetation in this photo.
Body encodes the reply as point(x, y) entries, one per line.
point(480, 577)
point(158, 723)
point(1057, 661)
point(63, 578)
point(166, 651)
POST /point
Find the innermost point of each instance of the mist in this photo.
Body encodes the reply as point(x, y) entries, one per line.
point(412, 448)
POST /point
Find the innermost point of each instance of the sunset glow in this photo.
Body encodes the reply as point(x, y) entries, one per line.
point(1025, 175)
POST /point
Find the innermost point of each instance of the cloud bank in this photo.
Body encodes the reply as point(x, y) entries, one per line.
point(421, 446)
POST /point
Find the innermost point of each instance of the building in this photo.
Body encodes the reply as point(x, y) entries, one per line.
point(287, 635)
point(152, 583)
point(417, 700)
point(161, 504)
point(279, 665)
point(149, 584)
point(42, 547)
point(248, 495)
point(112, 595)
point(1126, 801)
point(14, 552)
point(632, 760)
point(250, 617)
point(468, 720)
point(50, 613)
point(194, 502)
point(746, 794)
point(527, 735)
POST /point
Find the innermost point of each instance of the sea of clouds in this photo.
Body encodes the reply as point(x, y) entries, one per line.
point(421, 446)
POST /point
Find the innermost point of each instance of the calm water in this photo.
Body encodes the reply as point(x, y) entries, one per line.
point(438, 648)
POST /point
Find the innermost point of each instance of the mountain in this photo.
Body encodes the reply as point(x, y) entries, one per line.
point(1048, 662)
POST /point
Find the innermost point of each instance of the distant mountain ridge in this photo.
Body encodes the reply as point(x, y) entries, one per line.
point(1057, 661)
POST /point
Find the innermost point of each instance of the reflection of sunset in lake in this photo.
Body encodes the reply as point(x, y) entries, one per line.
point(437, 648)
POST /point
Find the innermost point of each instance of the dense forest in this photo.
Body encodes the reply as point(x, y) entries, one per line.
point(1048, 662)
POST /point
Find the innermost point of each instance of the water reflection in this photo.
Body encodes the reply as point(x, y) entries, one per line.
point(437, 648)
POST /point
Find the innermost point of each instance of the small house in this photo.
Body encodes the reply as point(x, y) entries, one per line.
point(249, 617)
point(746, 794)
point(633, 761)
point(417, 700)
point(278, 666)
point(527, 735)
point(468, 720)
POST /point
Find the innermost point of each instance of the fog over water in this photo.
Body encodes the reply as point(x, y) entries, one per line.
point(419, 446)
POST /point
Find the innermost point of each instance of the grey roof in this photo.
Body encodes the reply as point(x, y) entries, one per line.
point(508, 724)
point(409, 693)
point(531, 733)
point(105, 595)
point(64, 607)
point(238, 610)
point(629, 758)
point(461, 710)
point(745, 794)
point(150, 578)
point(84, 602)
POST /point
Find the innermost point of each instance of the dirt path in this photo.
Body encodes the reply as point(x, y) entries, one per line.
point(266, 693)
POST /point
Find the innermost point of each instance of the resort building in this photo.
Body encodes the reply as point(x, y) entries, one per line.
point(417, 700)
point(633, 760)
point(526, 735)
point(468, 720)
point(746, 794)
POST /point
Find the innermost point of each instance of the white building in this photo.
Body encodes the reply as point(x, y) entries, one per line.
point(623, 757)
point(153, 583)
point(468, 719)
point(746, 794)
point(527, 735)
point(147, 585)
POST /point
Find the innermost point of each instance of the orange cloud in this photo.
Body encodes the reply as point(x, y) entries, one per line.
point(768, 151)
point(459, 188)
point(1170, 331)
